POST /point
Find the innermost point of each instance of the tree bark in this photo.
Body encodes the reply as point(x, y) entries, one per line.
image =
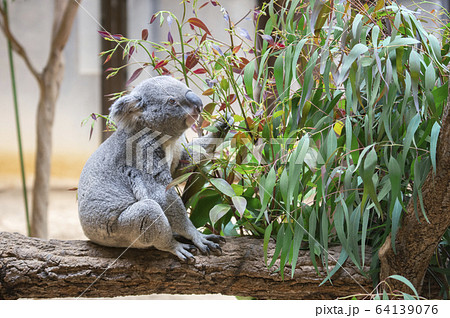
point(417, 239)
point(50, 82)
point(36, 268)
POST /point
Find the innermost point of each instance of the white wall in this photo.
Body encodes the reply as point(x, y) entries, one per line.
point(31, 22)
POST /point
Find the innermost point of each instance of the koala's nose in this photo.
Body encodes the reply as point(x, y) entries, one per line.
point(194, 100)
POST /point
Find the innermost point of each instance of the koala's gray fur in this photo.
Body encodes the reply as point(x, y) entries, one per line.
point(123, 203)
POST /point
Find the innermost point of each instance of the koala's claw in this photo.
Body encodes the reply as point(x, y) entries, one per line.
point(192, 249)
point(216, 238)
point(225, 124)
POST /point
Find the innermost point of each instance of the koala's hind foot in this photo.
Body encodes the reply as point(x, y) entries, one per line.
point(209, 243)
point(145, 225)
point(206, 243)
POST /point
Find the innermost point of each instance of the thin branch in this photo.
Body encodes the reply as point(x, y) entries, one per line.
point(16, 46)
point(64, 27)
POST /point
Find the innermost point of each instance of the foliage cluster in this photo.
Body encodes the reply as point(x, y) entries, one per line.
point(337, 114)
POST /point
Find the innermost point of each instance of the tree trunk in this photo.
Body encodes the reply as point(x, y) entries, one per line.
point(49, 84)
point(35, 268)
point(416, 240)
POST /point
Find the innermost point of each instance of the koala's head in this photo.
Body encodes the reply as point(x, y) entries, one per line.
point(160, 103)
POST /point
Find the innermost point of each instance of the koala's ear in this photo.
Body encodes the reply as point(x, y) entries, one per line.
point(126, 109)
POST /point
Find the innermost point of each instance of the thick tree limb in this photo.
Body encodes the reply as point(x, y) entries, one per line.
point(417, 239)
point(35, 268)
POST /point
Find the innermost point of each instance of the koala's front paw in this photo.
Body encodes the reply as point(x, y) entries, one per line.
point(208, 244)
point(224, 124)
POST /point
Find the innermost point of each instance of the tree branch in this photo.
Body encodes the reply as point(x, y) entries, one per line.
point(16, 46)
point(62, 26)
point(35, 268)
point(416, 240)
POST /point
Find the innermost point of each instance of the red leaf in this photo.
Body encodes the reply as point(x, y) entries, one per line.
point(205, 123)
point(191, 60)
point(144, 34)
point(203, 5)
point(107, 58)
point(231, 98)
point(117, 36)
point(203, 38)
point(161, 64)
point(208, 92)
point(130, 52)
point(237, 48)
point(200, 71)
point(134, 75)
point(199, 23)
point(214, 3)
point(153, 19)
point(267, 38)
point(222, 106)
point(153, 55)
point(105, 34)
point(165, 71)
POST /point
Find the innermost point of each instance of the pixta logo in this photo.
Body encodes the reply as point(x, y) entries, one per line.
point(149, 149)
point(141, 147)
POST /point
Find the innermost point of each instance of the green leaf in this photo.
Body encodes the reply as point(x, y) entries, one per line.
point(319, 14)
point(298, 50)
point(364, 226)
point(395, 177)
point(312, 241)
point(430, 77)
point(267, 234)
point(414, 67)
point(396, 214)
point(435, 47)
point(249, 70)
point(287, 240)
point(398, 41)
point(223, 186)
point(410, 131)
point(308, 81)
point(218, 211)
point(433, 144)
point(179, 180)
point(356, 52)
point(369, 187)
point(278, 245)
point(357, 26)
point(406, 282)
point(266, 187)
point(240, 203)
point(278, 72)
point(299, 231)
point(342, 258)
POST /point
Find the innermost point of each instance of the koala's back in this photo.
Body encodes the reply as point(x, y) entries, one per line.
point(103, 190)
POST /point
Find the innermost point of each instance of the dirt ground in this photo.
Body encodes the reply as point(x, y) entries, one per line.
point(63, 222)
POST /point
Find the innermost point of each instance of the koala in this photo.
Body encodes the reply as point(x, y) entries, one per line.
point(123, 200)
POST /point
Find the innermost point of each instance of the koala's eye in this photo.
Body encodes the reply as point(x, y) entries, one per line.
point(172, 101)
